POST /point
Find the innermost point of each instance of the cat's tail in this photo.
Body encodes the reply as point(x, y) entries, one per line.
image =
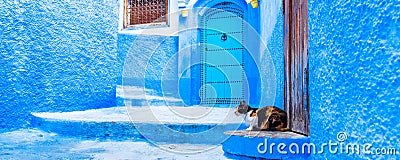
point(290, 130)
point(284, 130)
point(277, 129)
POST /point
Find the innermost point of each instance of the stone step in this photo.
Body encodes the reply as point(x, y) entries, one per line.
point(268, 144)
point(198, 125)
point(140, 96)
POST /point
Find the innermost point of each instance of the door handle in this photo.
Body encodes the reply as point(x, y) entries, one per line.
point(224, 37)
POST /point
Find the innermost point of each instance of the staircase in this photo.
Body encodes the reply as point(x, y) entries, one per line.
point(143, 118)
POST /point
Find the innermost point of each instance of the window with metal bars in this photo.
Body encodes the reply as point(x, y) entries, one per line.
point(145, 12)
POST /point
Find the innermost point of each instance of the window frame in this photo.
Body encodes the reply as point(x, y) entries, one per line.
point(126, 21)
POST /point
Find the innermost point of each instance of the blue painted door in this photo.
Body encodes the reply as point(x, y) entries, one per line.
point(222, 55)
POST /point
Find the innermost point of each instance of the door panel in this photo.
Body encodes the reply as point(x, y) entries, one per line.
point(229, 21)
point(222, 55)
point(214, 43)
point(229, 58)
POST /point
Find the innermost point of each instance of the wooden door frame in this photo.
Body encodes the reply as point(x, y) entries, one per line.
point(296, 94)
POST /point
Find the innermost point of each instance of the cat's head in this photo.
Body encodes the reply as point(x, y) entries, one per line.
point(242, 108)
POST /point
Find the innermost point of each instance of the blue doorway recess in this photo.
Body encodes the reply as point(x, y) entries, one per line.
point(224, 62)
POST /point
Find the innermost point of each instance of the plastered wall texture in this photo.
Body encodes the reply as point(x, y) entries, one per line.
point(354, 58)
point(148, 60)
point(56, 56)
point(62, 56)
point(271, 19)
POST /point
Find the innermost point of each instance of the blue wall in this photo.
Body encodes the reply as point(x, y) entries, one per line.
point(271, 19)
point(354, 73)
point(150, 61)
point(56, 56)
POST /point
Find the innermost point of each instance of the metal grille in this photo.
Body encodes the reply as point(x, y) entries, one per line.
point(147, 12)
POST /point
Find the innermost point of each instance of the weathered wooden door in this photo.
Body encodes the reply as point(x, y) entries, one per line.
point(222, 55)
point(297, 102)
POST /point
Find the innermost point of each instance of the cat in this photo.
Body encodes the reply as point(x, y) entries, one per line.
point(269, 118)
